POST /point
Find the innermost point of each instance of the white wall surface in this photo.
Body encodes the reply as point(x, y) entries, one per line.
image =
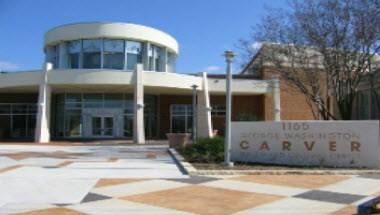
point(308, 143)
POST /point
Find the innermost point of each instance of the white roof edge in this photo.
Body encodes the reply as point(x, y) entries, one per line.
point(120, 30)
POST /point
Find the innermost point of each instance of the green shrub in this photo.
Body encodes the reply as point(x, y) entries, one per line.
point(206, 150)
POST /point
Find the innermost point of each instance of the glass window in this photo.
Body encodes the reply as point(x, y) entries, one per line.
point(20, 109)
point(19, 126)
point(171, 62)
point(5, 109)
point(150, 57)
point(133, 54)
point(73, 123)
point(93, 100)
point(128, 104)
point(181, 118)
point(154, 55)
point(74, 49)
point(128, 125)
point(113, 100)
point(91, 54)
point(73, 97)
point(52, 55)
point(113, 54)
point(157, 58)
point(218, 110)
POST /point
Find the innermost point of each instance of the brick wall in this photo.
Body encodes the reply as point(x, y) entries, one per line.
point(293, 102)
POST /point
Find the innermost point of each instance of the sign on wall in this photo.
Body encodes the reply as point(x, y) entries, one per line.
point(307, 143)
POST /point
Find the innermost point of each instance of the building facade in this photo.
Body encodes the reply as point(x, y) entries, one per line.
point(118, 80)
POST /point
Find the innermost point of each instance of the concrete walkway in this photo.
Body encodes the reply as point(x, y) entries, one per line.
point(122, 179)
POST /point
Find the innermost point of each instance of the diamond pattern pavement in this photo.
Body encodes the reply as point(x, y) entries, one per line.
point(73, 180)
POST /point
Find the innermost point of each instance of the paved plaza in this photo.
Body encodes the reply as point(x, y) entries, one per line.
point(120, 179)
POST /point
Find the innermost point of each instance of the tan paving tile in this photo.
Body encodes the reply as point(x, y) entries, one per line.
point(113, 159)
point(110, 181)
point(300, 181)
point(349, 210)
point(65, 163)
point(20, 155)
point(10, 168)
point(204, 200)
point(53, 211)
point(151, 156)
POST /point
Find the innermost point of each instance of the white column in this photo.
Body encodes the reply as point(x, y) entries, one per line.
point(42, 132)
point(138, 117)
point(276, 98)
point(204, 123)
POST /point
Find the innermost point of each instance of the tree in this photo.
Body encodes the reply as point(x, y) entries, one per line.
point(323, 48)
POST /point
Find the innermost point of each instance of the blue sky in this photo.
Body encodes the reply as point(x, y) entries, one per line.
point(203, 28)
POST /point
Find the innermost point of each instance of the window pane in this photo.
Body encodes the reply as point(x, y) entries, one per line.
point(91, 45)
point(133, 47)
point(132, 61)
point(91, 54)
point(20, 109)
point(31, 123)
point(91, 60)
point(74, 61)
point(178, 109)
point(92, 100)
point(5, 109)
point(189, 126)
point(19, 125)
point(73, 97)
point(128, 126)
point(128, 104)
point(73, 123)
point(114, 46)
point(113, 100)
point(133, 54)
point(178, 124)
point(32, 109)
point(74, 46)
point(113, 60)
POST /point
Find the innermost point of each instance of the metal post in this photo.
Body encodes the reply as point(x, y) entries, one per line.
point(194, 130)
point(229, 55)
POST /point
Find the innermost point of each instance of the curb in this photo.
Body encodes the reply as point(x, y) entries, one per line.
point(191, 170)
point(182, 163)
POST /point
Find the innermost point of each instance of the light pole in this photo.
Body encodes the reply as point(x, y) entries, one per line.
point(229, 55)
point(194, 133)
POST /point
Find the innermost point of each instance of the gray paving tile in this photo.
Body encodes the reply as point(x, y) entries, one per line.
point(371, 176)
point(195, 179)
point(90, 197)
point(326, 196)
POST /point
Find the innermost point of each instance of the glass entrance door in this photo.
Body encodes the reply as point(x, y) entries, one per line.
point(102, 126)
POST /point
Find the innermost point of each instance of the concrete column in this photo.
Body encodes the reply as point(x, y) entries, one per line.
point(42, 132)
point(276, 98)
point(204, 122)
point(138, 117)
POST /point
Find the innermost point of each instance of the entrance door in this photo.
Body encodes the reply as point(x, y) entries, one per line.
point(102, 126)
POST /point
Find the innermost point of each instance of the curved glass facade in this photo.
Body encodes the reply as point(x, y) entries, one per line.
point(107, 53)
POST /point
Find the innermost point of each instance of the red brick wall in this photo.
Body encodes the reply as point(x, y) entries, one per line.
point(293, 102)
